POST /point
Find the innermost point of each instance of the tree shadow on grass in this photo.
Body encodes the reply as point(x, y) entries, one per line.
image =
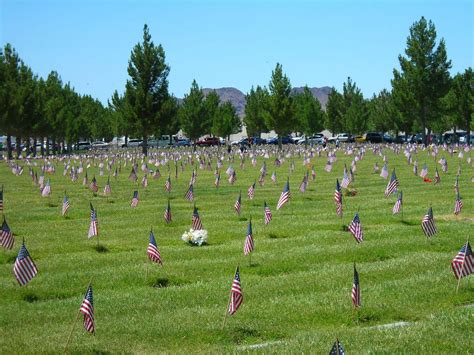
point(30, 298)
point(409, 223)
point(101, 248)
point(243, 219)
point(277, 236)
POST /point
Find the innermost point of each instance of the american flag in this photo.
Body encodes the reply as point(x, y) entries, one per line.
point(355, 294)
point(345, 180)
point(328, 166)
point(376, 168)
point(133, 175)
point(238, 203)
point(145, 181)
point(384, 172)
point(338, 198)
point(444, 165)
point(196, 220)
point(263, 169)
point(304, 183)
point(1, 199)
point(107, 189)
point(428, 223)
point(167, 214)
point(251, 191)
point(236, 295)
point(93, 186)
point(392, 185)
point(274, 177)
point(152, 250)
point(337, 349)
point(65, 205)
point(437, 178)
point(189, 194)
point(463, 262)
point(85, 181)
point(424, 171)
point(24, 268)
point(134, 202)
point(115, 172)
point(168, 184)
point(415, 167)
point(87, 309)
point(232, 177)
point(46, 189)
point(285, 195)
point(313, 173)
point(248, 246)
point(458, 205)
point(93, 226)
point(398, 205)
point(356, 229)
point(218, 179)
point(156, 174)
point(267, 213)
point(6, 236)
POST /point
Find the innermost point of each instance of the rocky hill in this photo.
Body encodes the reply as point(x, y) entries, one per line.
point(237, 97)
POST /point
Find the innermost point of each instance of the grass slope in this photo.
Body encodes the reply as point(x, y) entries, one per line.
point(296, 292)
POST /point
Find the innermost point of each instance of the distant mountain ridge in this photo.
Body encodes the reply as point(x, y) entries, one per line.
point(237, 97)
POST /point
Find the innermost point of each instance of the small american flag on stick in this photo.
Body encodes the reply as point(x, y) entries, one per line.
point(267, 213)
point(134, 202)
point(238, 203)
point(285, 195)
point(428, 224)
point(236, 295)
point(463, 262)
point(196, 220)
point(355, 294)
point(87, 309)
point(93, 230)
point(356, 229)
point(392, 185)
point(24, 267)
point(167, 215)
point(249, 245)
point(6, 235)
point(152, 250)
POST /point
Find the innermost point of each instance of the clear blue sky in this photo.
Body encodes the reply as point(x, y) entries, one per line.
point(229, 43)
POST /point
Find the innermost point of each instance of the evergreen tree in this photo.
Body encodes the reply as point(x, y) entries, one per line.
point(381, 112)
point(211, 105)
point(255, 110)
point(424, 74)
point(147, 89)
point(228, 121)
point(459, 102)
point(280, 116)
point(308, 112)
point(334, 112)
point(355, 112)
point(192, 113)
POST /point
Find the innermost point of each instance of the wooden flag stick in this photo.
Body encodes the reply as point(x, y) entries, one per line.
point(227, 310)
point(462, 267)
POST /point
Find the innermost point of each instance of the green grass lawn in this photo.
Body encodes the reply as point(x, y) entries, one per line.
point(296, 291)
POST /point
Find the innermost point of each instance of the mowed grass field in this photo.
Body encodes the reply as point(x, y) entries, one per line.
point(297, 289)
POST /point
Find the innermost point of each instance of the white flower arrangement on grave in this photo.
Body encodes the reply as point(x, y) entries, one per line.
point(195, 237)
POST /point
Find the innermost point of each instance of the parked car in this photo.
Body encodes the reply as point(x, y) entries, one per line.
point(133, 143)
point(463, 139)
point(208, 141)
point(401, 139)
point(374, 137)
point(314, 139)
point(342, 137)
point(182, 142)
point(99, 145)
point(83, 146)
point(359, 138)
point(388, 138)
point(284, 140)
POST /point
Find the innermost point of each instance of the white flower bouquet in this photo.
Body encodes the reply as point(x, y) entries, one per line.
point(195, 237)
